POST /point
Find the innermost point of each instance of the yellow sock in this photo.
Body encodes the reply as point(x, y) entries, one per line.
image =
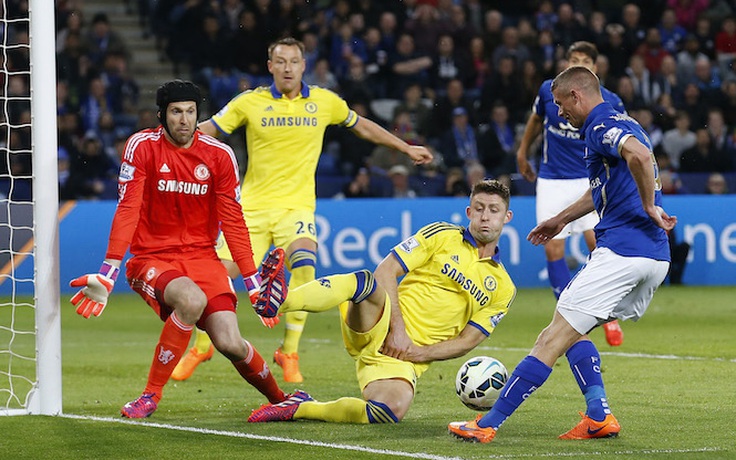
point(294, 322)
point(344, 410)
point(202, 341)
point(321, 295)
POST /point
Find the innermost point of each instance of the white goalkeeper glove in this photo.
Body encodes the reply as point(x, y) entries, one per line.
point(253, 285)
point(96, 288)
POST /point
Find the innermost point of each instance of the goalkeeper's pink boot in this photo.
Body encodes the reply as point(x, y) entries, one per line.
point(274, 289)
point(280, 412)
point(142, 407)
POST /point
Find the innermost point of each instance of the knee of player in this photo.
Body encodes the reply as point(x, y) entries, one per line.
point(391, 411)
point(189, 304)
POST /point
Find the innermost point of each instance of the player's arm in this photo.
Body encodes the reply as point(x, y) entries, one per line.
point(642, 164)
point(372, 131)
point(208, 127)
point(532, 130)
point(387, 274)
point(547, 230)
point(95, 288)
point(469, 338)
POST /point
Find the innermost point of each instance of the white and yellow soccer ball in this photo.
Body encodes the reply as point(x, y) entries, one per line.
point(479, 382)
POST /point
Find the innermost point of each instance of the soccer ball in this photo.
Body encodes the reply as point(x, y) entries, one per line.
point(479, 381)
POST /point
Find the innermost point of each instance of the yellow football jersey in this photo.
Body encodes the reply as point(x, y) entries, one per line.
point(284, 141)
point(447, 286)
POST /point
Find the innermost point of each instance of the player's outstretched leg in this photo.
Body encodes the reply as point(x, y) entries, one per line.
point(274, 288)
point(614, 333)
point(280, 412)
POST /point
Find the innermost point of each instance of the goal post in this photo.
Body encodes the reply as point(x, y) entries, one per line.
point(30, 330)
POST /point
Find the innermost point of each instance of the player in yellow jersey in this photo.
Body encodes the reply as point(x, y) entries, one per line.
point(284, 130)
point(452, 296)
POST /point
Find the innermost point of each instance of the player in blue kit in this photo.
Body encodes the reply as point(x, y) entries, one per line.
point(562, 175)
point(618, 281)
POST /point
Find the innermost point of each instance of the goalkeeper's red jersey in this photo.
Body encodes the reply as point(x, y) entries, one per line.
point(172, 202)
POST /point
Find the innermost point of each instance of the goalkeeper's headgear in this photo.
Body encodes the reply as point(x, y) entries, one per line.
point(176, 91)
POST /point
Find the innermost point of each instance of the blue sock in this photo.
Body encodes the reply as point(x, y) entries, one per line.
point(529, 375)
point(585, 363)
point(559, 275)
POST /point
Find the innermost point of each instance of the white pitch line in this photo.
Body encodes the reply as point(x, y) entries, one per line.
point(237, 434)
point(395, 453)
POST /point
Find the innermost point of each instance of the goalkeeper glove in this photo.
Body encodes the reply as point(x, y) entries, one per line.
point(92, 298)
point(253, 285)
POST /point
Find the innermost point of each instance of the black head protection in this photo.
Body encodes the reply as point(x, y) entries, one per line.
point(176, 91)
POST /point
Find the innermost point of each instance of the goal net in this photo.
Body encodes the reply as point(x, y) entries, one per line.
point(30, 338)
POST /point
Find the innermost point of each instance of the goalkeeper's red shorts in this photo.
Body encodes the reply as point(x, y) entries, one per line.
point(149, 277)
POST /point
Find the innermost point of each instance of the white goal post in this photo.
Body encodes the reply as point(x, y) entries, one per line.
point(26, 388)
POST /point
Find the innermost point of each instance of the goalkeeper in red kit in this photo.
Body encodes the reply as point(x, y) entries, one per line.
point(177, 188)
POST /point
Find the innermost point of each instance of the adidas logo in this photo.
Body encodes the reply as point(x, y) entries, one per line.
point(269, 108)
point(164, 168)
point(455, 259)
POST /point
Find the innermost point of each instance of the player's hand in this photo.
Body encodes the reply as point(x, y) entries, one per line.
point(96, 288)
point(545, 231)
point(397, 344)
point(419, 154)
point(253, 285)
point(525, 168)
point(662, 219)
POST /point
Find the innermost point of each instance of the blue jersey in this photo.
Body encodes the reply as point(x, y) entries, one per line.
point(562, 152)
point(624, 227)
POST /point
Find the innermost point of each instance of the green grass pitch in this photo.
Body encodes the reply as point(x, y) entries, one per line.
point(671, 385)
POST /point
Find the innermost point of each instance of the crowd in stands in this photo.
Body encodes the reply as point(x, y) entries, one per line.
point(458, 76)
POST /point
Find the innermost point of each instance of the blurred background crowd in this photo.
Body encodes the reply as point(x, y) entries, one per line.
point(459, 76)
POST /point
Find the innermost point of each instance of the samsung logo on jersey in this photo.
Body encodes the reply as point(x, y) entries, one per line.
point(267, 122)
point(465, 283)
point(187, 188)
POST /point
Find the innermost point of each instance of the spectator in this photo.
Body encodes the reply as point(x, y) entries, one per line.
point(671, 33)
point(480, 69)
point(355, 86)
point(705, 36)
point(376, 64)
point(716, 184)
point(700, 157)
point(210, 54)
point(493, 30)
point(248, 47)
point(634, 32)
point(382, 158)
point(646, 85)
point(426, 27)
point(545, 17)
point(646, 120)
point(687, 57)
point(652, 51)
point(708, 80)
point(448, 64)
point(625, 89)
point(92, 174)
point(455, 183)
point(615, 49)
point(419, 112)
point(543, 53)
point(671, 183)
point(442, 111)
point(359, 186)
point(407, 66)
point(101, 40)
point(725, 47)
point(678, 139)
point(727, 101)
point(721, 141)
point(504, 85)
point(569, 27)
point(345, 45)
point(497, 143)
point(510, 47)
point(399, 176)
point(695, 105)
point(458, 145)
point(687, 11)
point(322, 76)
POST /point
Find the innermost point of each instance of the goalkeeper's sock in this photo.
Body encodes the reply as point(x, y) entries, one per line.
point(202, 341)
point(343, 410)
point(172, 345)
point(256, 372)
point(585, 363)
point(559, 275)
point(529, 375)
point(301, 264)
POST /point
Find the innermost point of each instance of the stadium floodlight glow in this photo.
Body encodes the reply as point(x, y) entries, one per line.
point(30, 329)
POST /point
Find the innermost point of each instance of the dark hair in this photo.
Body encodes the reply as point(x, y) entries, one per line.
point(288, 41)
point(584, 47)
point(492, 187)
